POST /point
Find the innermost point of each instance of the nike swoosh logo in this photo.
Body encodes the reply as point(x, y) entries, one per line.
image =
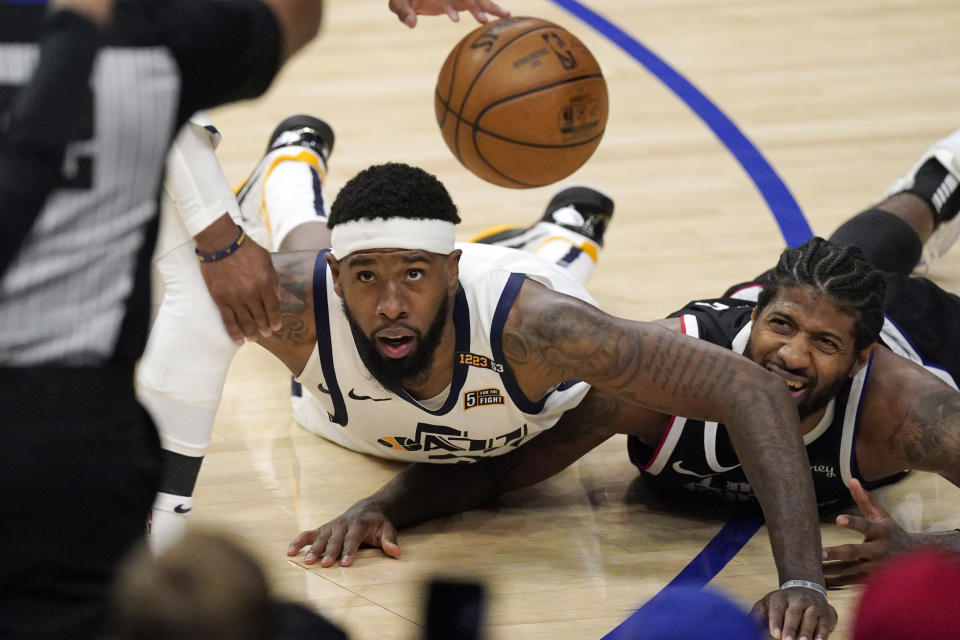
point(687, 472)
point(323, 389)
point(352, 394)
point(180, 509)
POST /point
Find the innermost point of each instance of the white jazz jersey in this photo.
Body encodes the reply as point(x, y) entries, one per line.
point(484, 412)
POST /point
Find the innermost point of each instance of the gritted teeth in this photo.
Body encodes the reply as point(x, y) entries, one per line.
point(794, 382)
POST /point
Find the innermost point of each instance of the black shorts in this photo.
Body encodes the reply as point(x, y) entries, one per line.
point(928, 317)
point(79, 469)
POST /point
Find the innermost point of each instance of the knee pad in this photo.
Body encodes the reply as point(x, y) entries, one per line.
point(888, 243)
point(180, 376)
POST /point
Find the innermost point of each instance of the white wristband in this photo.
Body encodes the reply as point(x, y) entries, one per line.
point(806, 584)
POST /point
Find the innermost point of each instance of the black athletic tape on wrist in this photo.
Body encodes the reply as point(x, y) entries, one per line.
point(226, 251)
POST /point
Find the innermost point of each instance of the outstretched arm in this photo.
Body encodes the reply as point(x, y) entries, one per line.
point(549, 338)
point(420, 492)
point(299, 22)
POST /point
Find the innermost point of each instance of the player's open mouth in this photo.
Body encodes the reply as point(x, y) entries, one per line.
point(796, 387)
point(395, 347)
point(796, 384)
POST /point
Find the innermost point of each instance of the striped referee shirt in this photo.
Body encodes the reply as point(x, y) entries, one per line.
point(77, 290)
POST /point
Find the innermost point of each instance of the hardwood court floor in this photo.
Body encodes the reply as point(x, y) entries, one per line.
point(839, 97)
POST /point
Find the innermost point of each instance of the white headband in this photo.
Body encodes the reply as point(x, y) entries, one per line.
point(435, 236)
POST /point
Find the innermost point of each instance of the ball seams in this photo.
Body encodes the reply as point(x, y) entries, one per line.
point(479, 73)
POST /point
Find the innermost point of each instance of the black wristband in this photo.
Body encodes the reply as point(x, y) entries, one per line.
point(225, 252)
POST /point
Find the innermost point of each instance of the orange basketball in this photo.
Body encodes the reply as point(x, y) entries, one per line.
point(521, 102)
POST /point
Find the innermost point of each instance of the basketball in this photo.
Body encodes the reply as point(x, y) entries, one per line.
point(521, 102)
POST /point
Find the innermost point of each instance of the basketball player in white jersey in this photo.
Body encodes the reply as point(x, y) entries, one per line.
point(284, 207)
point(435, 352)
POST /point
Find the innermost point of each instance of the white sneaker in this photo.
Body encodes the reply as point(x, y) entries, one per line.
point(947, 153)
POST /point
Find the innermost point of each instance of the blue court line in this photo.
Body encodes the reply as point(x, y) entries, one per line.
point(793, 225)
point(737, 531)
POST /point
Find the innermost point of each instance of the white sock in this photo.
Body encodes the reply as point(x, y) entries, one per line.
point(168, 520)
point(293, 195)
point(565, 248)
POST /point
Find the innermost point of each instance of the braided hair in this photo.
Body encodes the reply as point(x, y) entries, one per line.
point(839, 271)
point(392, 190)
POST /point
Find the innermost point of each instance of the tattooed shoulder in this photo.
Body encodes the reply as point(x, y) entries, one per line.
point(930, 437)
point(548, 327)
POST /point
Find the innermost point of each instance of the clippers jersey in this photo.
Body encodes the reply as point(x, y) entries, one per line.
point(484, 413)
point(698, 456)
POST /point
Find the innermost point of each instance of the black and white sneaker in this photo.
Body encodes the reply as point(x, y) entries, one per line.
point(291, 138)
point(304, 131)
point(580, 208)
point(943, 196)
point(299, 138)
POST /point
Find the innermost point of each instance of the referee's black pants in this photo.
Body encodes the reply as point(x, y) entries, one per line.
point(79, 469)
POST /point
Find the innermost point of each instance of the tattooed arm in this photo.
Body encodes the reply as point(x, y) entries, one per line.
point(910, 420)
point(294, 341)
point(549, 338)
point(929, 436)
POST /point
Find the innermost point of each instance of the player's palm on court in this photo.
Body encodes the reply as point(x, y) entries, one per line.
point(882, 537)
point(340, 538)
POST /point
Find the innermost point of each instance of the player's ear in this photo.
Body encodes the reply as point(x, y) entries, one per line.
point(453, 270)
point(753, 315)
point(861, 360)
point(334, 266)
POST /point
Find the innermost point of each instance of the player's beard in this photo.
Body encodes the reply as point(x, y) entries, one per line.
point(816, 399)
point(397, 373)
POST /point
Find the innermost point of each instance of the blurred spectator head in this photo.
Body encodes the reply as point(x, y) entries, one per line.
point(205, 585)
point(913, 597)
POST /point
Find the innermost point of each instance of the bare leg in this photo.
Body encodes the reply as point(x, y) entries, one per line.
point(307, 236)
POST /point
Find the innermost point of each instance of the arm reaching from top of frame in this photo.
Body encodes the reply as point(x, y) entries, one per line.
point(299, 22)
point(407, 10)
